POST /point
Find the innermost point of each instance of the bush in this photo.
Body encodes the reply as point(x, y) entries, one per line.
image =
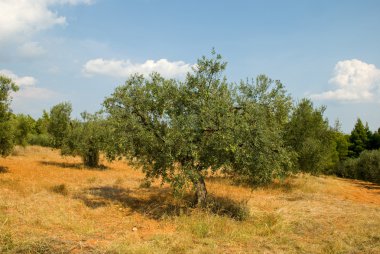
point(366, 167)
point(40, 140)
point(226, 207)
point(346, 169)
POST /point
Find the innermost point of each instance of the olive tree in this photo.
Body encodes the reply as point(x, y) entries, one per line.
point(6, 132)
point(181, 130)
point(40, 135)
point(59, 123)
point(259, 150)
point(24, 126)
point(85, 138)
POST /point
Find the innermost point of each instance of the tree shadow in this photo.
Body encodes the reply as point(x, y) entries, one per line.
point(367, 185)
point(156, 206)
point(4, 170)
point(71, 165)
point(157, 203)
point(363, 184)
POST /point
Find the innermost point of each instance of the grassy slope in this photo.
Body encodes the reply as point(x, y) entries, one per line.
point(94, 211)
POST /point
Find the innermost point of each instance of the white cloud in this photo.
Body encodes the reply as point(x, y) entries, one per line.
point(356, 81)
point(35, 93)
point(125, 68)
point(28, 88)
point(31, 50)
point(20, 18)
point(20, 81)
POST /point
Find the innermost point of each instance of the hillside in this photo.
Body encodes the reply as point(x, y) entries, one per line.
point(51, 204)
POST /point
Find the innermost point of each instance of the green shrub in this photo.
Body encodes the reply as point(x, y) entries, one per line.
point(40, 140)
point(368, 166)
point(365, 167)
point(347, 169)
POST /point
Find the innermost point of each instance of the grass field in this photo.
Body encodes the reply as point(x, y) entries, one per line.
point(51, 204)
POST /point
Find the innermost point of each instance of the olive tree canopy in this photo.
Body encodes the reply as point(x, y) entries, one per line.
point(181, 130)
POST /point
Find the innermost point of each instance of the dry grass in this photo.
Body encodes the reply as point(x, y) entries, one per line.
point(51, 204)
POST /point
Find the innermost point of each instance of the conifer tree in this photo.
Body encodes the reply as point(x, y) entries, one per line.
point(359, 139)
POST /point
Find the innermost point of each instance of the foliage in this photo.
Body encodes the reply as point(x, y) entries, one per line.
point(59, 123)
point(359, 139)
point(342, 143)
point(6, 136)
point(166, 126)
point(365, 167)
point(42, 123)
point(40, 140)
point(23, 126)
point(368, 166)
point(179, 131)
point(308, 133)
point(85, 138)
point(258, 150)
point(374, 140)
point(40, 135)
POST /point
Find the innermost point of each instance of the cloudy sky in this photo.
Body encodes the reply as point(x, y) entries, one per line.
point(80, 50)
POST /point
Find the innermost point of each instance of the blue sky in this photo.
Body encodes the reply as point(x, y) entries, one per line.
point(80, 50)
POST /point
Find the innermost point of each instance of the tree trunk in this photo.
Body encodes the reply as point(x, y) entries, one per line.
point(201, 192)
point(91, 158)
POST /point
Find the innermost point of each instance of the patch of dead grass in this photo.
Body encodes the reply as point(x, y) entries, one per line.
point(303, 214)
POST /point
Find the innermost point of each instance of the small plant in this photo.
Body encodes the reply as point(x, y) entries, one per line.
point(91, 179)
point(60, 189)
point(229, 208)
point(6, 242)
point(3, 170)
point(200, 229)
point(145, 184)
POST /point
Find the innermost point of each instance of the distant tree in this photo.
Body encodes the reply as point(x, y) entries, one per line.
point(59, 123)
point(179, 131)
point(40, 134)
point(365, 167)
point(341, 141)
point(24, 126)
point(368, 166)
point(309, 134)
point(85, 138)
point(359, 139)
point(42, 123)
point(342, 145)
point(374, 142)
point(6, 132)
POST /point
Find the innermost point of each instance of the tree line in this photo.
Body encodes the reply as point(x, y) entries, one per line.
point(181, 130)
